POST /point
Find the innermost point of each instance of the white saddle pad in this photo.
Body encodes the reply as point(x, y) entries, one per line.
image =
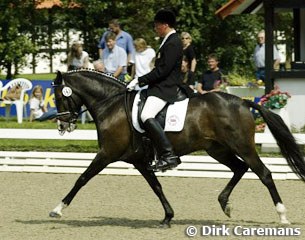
point(175, 115)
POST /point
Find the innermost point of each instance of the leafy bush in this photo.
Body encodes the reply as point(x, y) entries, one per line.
point(235, 79)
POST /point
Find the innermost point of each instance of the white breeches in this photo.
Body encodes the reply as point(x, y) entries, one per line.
point(152, 107)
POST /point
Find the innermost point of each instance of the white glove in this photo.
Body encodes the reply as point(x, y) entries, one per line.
point(132, 85)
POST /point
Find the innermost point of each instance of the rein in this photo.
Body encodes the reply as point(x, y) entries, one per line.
point(115, 95)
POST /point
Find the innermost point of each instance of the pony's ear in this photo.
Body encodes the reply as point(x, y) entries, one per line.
point(58, 79)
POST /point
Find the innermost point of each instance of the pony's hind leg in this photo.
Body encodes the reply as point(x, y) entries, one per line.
point(157, 188)
point(238, 167)
point(94, 168)
point(264, 174)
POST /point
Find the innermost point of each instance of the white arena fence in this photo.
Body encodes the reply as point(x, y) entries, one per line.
point(67, 162)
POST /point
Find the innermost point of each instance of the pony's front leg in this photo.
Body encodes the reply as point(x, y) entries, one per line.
point(157, 188)
point(94, 168)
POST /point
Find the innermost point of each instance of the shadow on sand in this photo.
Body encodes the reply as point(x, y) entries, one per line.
point(136, 223)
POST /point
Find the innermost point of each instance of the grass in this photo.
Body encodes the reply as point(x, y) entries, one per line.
point(12, 123)
point(38, 76)
point(49, 145)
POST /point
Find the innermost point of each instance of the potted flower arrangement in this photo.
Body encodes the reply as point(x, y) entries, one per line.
point(275, 99)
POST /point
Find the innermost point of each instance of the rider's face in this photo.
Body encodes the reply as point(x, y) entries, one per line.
point(160, 29)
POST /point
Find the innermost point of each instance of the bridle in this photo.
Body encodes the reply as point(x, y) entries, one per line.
point(72, 115)
point(67, 120)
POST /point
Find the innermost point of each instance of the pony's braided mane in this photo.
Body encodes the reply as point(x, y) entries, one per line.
point(107, 75)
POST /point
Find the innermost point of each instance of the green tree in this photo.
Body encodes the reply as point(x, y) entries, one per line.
point(89, 17)
point(233, 39)
point(15, 41)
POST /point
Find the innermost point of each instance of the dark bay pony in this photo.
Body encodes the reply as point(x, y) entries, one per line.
point(219, 123)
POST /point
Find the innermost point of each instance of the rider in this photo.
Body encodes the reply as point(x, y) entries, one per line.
point(163, 84)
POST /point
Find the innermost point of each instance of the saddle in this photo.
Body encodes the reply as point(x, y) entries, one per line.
point(161, 116)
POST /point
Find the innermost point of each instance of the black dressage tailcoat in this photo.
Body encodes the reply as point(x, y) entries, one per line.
point(166, 77)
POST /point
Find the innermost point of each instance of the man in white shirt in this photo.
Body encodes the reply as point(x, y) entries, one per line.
point(259, 57)
point(114, 58)
point(123, 40)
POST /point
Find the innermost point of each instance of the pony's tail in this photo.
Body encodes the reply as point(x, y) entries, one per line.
point(284, 138)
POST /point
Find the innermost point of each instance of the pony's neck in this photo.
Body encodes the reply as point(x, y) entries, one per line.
point(96, 85)
point(97, 91)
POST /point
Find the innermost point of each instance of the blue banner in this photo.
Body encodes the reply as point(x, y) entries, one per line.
point(48, 96)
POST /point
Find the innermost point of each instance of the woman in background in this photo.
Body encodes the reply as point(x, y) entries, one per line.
point(77, 57)
point(144, 58)
point(185, 69)
point(190, 56)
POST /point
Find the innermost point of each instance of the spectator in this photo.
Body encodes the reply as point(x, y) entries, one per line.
point(77, 57)
point(189, 53)
point(185, 69)
point(123, 40)
point(114, 58)
point(39, 111)
point(212, 78)
point(144, 58)
point(259, 57)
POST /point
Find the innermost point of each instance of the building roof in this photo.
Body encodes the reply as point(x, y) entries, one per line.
point(48, 4)
point(239, 6)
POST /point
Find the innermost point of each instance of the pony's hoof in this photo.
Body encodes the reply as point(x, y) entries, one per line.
point(228, 209)
point(164, 225)
point(55, 214)
point(285, 222)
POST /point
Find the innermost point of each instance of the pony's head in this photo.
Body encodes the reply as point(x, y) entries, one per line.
point(76, 88)
point(68, 105)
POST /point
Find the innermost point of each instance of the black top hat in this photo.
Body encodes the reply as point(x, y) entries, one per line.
point(166, 16)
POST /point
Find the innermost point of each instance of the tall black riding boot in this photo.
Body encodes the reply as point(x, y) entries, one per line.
point(168, 159)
